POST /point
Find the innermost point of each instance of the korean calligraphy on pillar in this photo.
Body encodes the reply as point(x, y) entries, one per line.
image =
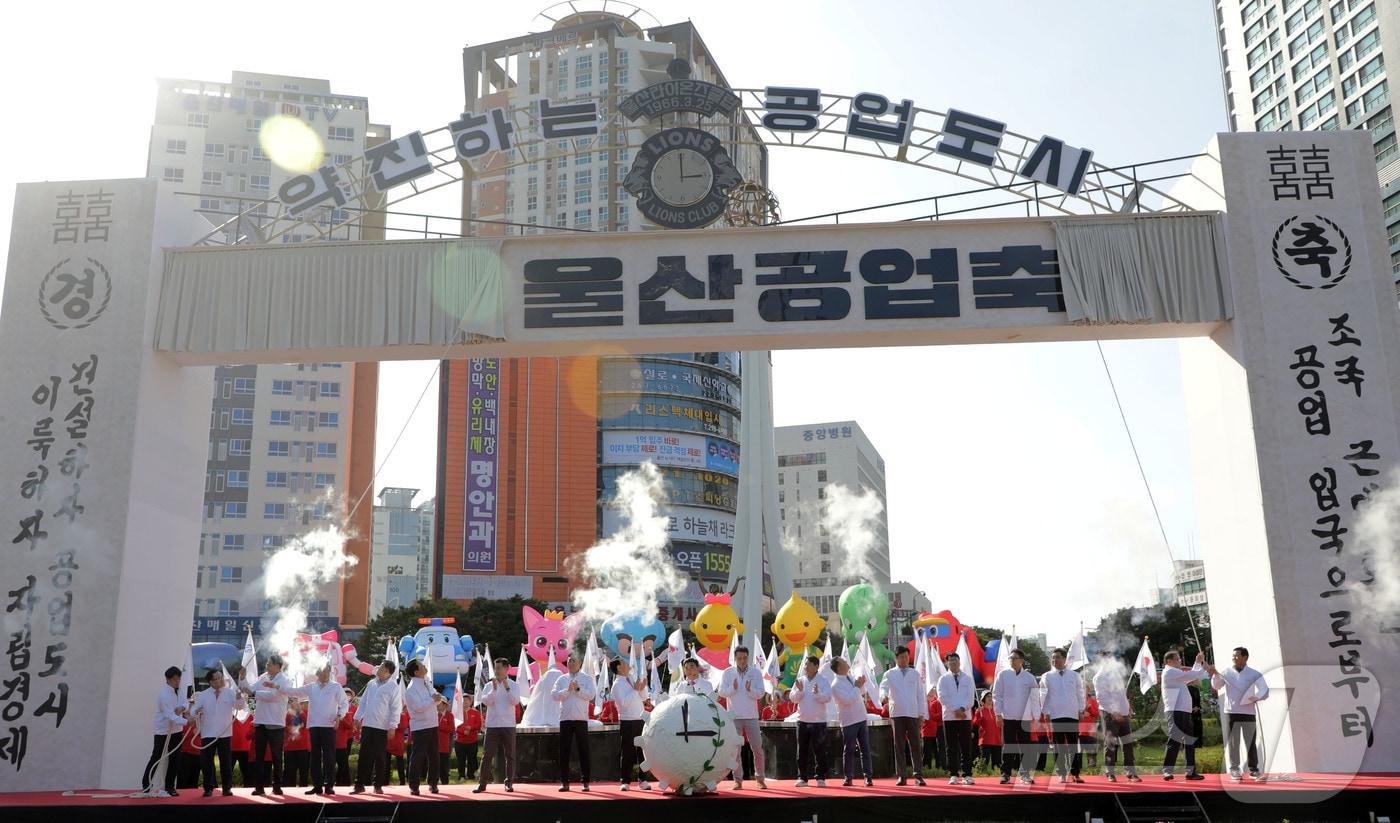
point(479, 514)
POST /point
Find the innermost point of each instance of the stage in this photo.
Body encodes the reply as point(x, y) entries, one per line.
point(1303, 797)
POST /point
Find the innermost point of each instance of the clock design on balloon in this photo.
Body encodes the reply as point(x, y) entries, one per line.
point(681, 177)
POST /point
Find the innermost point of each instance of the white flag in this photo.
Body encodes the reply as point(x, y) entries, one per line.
point(522, 674)
point(774, 672)
point(675, 653)
point(1004, 654)
point(479, 677)
point(1078, 656)
point(868, 667)
point(459, 707)
point(1145, 668)
point(733, 644)
point(223, 670)
point(935, 663)
point(964, 653)
point(653, 671)
point(590, 655)
point(250, 661)
point(392, 654)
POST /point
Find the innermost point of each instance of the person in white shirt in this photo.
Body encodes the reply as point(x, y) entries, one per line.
point(958, 694)
point(1240, 689)
point(381, 704)
point(270, 723)
point(1011, 691)
point(811, 692)
point(574, 692)
point(906, 700)
point(421, 701)
point(742, 689)
point(849, 694)
point(500, 696)
point(326, 704)
point(1111, 688)
point(691, 682)
point(1062, 706)
point(213, 710)
point(1176, 703)
point(629, 695)
point(170, 720)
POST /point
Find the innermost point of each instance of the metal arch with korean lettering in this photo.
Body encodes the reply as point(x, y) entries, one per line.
point(1104, 190)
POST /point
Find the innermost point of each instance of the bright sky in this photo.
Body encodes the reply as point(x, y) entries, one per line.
point(1013, 493)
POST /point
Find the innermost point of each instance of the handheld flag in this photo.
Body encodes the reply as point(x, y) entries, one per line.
point(250, 661)
point(1078, 656)
point(964, 653)
point(590, 655)
point(1004, 653)
point(187, 675)
point(522, 674)
point(653, 672)
point(459, 707)
point(1145, 668)
point(675, 653)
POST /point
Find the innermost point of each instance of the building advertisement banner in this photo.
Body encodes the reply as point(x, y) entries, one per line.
point(479, 513)
point(689, 451)
point(684, 523)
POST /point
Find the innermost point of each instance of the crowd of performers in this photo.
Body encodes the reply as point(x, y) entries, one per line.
point(303, 735)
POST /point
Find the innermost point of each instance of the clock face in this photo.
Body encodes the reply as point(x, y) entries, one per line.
point(682, 177)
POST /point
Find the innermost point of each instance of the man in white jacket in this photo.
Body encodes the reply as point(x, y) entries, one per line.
point(742, 688)
point(169, 724)
point(1062, 706)
point(1176, 703)
point(326, 705)
point(849, 694)
point(906, 700)
point(811, 692)
point(1240, 689)
point(381, 704)
point(629, 695)
point(270, 723)
point(574, 692)
point(1011, 692)
point(500, 696)
point(213, 710)
point(958, 695)
point(422, 701)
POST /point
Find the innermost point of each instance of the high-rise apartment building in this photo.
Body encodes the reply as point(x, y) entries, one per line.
point(1315, 64)
point(812, 459)
point(562, 430)
point(287, 444)
point(402, 550)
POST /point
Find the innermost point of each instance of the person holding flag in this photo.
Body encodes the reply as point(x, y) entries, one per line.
point(742, 689)
point(170, 719)
point(422, 701)
point(629, 698)
point(465, 743)
point(213, 711)
point(326, 706)
point(447, 723)
point(903, 692)
point(1176, 702)
point(1117, 713)
point(1011, 694)
point(269, 723)
point(381, 703)
point(1241, 688)
point(574, 692)
point(692, 682)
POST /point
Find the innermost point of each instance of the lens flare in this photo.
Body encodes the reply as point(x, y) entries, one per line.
point(291, 144)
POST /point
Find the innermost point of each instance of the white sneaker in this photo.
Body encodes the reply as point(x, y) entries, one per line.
point(738, 785)
point(645, 786)
point(623, 787)
point(1026, 779)
point(164, 793)
point(1235, 776)
point(953, 781)
point(800, 784)
point(1064, 779)
point(967, 781)
point(821, 783)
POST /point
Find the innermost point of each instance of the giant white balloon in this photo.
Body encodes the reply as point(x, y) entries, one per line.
point(689, 743)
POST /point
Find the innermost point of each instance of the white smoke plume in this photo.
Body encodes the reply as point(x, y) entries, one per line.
point(1374, 576)
point(292, 577)
point(851, 518)
point(627, 572)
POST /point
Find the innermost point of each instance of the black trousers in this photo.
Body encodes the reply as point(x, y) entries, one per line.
point(444, 766)
point(1064, 734)
point(342, 766)
point(425, 759)
point(1015, 739)
point(265, 737)
point(296, 768)
point(224, 747)
point(163, 743)
point(466, 759)
point(628, 730)
point(373, 769)
point(811, 750)
point(933, 753)
point(1178, 735)
point(240, 759)
point(959, 736)
point(322, 756)
point(573, 730)
point(1117, 733)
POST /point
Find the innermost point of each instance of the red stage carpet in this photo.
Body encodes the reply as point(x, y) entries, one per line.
point(1299, 797)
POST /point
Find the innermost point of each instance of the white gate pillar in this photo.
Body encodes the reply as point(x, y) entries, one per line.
point(1293, 418)
point(102, 447)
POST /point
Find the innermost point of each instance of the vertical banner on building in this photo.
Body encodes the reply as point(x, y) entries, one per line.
point(1315, 329)
point(479, 531)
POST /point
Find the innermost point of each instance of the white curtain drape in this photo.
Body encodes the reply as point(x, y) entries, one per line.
point(330, 295)
point(1144, 269)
